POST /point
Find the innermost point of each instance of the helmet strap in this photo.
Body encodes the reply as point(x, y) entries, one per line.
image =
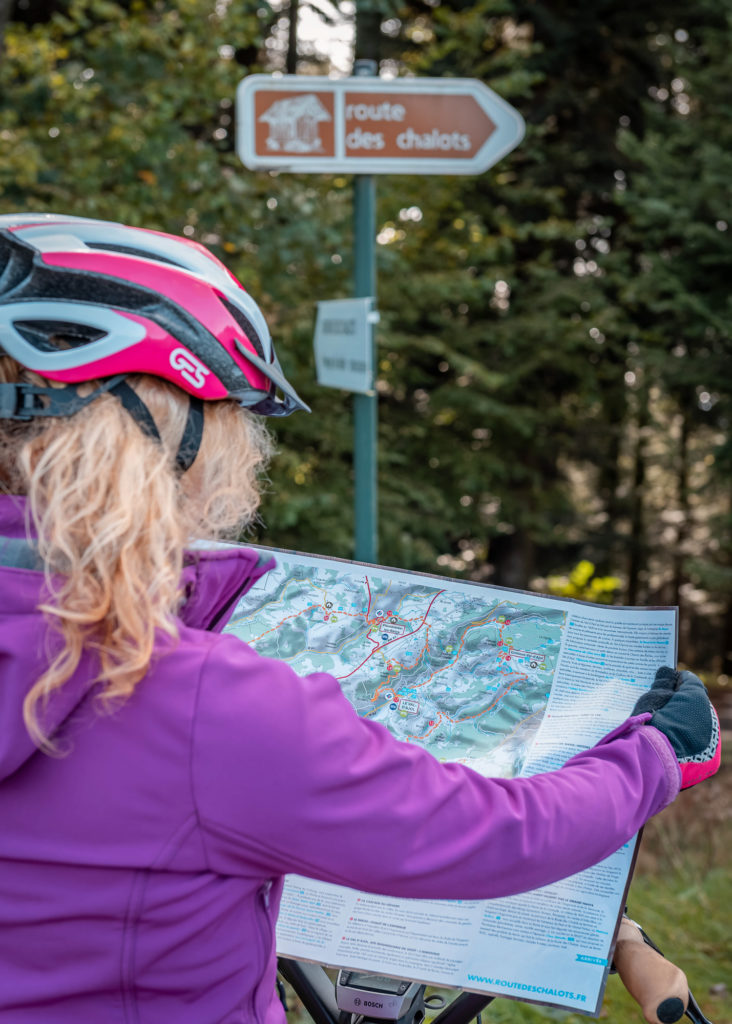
point(136, 408)
point(21, 401)
point(190, 442)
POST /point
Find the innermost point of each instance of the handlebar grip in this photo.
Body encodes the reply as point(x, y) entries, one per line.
point(659, 987)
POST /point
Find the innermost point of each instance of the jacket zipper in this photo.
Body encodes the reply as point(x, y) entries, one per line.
point(265, 933)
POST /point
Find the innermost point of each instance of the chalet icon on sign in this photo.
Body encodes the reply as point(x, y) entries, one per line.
point(293, 124)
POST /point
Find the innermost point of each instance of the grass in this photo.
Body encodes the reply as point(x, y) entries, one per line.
point(682, 896)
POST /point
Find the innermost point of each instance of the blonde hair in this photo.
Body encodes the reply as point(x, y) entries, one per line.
point(113, 519)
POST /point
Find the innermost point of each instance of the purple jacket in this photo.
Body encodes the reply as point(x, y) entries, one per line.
point(140, 874)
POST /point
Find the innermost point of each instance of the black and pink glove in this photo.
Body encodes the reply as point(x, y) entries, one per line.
point(682, 711)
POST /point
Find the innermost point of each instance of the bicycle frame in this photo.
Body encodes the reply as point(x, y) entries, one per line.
point(315, 990)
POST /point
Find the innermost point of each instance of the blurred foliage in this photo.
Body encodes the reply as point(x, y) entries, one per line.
point(554, 349)
point(582, 584)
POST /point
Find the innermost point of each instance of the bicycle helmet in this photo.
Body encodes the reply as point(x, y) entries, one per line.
point(84, 299)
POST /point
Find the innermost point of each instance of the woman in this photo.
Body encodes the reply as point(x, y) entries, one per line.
point(157, 779)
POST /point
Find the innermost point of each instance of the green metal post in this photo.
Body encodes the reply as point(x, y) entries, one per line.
point(365, 409)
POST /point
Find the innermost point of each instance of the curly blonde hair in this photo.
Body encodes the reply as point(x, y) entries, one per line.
point(113, 518)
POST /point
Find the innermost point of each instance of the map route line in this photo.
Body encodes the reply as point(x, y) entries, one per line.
point(391, 675)
point(236, 619)
point(368, 610)
point(501, 743)
point(452, 676)
point(478, 622)
point(468, 718)
point(451, 663)
point(496, 699)
point(471, 625)
point(254, 639)
point(395, 639)
point(294, 615)
point(424, 735)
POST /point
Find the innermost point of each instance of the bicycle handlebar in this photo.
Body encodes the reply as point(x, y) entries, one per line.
point(659, 987)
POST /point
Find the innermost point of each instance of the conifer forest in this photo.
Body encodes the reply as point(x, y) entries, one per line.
point(554, 349)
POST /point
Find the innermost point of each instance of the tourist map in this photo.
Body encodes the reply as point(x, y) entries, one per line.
point(463, 671)
point(507, 682)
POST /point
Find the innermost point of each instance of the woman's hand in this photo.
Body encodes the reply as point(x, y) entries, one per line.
point(681, 710)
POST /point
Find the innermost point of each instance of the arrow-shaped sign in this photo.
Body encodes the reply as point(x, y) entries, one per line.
point(373, 126)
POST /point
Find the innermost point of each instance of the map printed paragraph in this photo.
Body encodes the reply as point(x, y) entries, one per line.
point(508, 682)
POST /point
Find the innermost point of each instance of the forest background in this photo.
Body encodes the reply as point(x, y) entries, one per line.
point(555, 360)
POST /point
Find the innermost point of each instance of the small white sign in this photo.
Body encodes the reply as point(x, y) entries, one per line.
point(344, 344)
point(410, 707)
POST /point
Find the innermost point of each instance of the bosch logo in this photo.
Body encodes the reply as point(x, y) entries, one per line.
point(190, 368)
point(372, 1002)
point(356, 1001)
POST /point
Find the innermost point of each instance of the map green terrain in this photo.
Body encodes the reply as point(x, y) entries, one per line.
point(462, 669)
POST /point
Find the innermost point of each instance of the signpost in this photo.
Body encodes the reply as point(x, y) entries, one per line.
point(365, 407)
point(363, 126)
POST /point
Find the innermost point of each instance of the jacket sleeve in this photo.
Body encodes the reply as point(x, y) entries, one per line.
point(287, 778)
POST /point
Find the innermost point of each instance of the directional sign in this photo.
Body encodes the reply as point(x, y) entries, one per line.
point(373, 126)
point(344, 344)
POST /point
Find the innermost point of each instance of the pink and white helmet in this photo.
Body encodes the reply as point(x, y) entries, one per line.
point(128, 300)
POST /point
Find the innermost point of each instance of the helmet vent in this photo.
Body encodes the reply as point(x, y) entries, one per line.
point(130, 250)
point(16, 262)
point(246, 325)
point(54, 335)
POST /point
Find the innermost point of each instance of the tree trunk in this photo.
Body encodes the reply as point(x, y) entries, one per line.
point(368, 35)
point(683, 499)
point(727, 640)
point(512, 558)
point(637, 543)
point(610, 473)
point(5, 11)
point(291, 62)
point(726, 644)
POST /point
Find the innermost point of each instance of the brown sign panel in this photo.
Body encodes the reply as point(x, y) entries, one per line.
point(372, 125)
point(414, 125)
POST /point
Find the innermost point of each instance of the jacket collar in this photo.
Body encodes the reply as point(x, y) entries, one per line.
point(215, 578)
